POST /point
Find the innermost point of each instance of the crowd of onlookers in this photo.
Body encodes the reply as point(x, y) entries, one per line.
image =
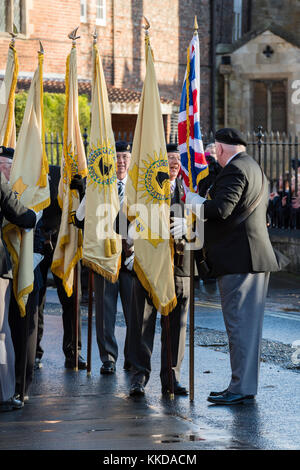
point(284, 204)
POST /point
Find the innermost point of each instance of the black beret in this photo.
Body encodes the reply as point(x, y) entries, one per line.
point(7, 152)
point(230, 136)
point(172, 148)
point(122, 146)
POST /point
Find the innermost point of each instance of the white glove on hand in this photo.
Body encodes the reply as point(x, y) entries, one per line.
point(178, 227)
point(194, 200)
point(132, 234)
point(129, 262)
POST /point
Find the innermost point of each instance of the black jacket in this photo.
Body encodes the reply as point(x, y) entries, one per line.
point(17, 214)
point(245, 248)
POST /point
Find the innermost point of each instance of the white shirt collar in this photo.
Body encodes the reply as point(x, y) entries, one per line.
point(123, 180)
point(232, 157)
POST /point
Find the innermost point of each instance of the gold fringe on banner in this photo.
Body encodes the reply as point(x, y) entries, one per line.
point(103, 272)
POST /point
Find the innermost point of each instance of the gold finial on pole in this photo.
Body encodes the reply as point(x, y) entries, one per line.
point(14, 34)
point(41, 51)
point(196, 27)
point(73, 36)
point(95, 36)
point(146, 26)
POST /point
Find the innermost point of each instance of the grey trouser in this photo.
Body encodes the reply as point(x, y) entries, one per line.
point(7, 353)
point(243, 299)
point(106, 298)
point(142, 331)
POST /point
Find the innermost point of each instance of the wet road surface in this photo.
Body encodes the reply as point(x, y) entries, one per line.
point(69, 410)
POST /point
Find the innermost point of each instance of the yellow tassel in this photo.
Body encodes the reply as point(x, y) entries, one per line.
point(113, 246)
point(107, 248)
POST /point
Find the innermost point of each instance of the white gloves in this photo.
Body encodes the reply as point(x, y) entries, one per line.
point(178, 227)
point(80, 213)
point(131, 234)
point(129, 262)
point(194, 200)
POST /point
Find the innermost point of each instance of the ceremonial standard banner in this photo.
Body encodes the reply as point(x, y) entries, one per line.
point(193, 163)
point(29, 180)
point(101, 245)
point(148, 197)
point(68, 250)
point(7, 99)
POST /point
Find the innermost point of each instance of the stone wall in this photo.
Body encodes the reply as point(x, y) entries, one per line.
point(249, 63)
point(288, 243)
point(120, 41)
point(285, 13)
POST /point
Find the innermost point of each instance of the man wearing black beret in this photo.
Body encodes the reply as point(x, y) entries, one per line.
point(238, 252)
point(106, 292)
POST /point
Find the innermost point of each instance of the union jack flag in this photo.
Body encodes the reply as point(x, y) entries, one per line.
point(193, 162)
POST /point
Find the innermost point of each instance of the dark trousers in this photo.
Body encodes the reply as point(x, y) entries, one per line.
point(106, 297)
point(18, 326)
point(68, 317)
point(142, 330)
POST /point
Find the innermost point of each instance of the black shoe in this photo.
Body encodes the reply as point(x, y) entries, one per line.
point(108, 367)
point(38, 363)
point(178, 390)
point(216, 394)
point(12, 404)
point(229, 398)
point(18, 397)
point(137, 390)
point(127, 365)
point(70, 363)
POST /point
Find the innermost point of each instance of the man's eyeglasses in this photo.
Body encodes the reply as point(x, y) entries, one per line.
point(174, 157)
point(124, 156)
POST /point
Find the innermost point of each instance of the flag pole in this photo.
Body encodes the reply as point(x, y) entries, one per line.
point(25, 331)
point(169, 356)
point(166, 322)
point(90, 319)
point(192, 325)
point(192, 300)
point(75, 290)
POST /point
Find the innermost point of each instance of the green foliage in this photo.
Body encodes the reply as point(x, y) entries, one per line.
point(54, 112)
point(20, 103)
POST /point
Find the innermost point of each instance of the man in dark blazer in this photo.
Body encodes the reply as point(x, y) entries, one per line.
point(240, 255)
point(16, 213)
point(143, 319)
point(106, 292)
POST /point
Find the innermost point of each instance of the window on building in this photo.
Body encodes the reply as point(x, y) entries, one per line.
point(17, 14)
point(101, 12)
point(3, 16)
point(270, 105)
point(237, 19)
point(12, 12)
point(83, 16)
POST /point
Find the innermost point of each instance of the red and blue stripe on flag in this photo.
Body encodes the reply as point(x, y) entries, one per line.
point(193, 162)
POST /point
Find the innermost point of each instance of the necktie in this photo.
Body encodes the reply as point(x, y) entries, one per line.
point(121, 191)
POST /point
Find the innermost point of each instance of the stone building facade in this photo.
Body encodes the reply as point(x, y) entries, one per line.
point(121, 43)
point(259, 70)
point(249, 54)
